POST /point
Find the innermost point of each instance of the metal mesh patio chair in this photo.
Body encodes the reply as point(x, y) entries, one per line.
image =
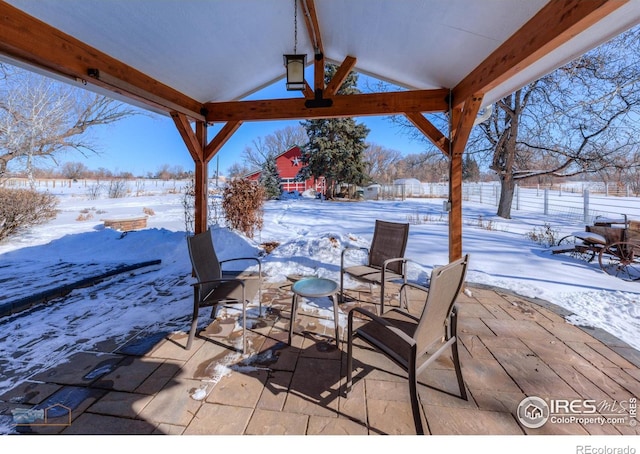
point(386, 260)
point(415, 342)
point(215, 287)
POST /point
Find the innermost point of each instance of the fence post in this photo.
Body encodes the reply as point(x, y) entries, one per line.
point(546, 201)
point(517, 197)
point(585, 197)
point(480, 193)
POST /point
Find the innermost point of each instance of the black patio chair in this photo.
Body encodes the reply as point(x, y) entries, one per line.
point(216, 287)
point(386, 261)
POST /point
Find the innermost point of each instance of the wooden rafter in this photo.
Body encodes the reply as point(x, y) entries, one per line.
point(318, 72)
point(465, 123)
point(188, 136)
point(203, 152)
point(313, 28)
point(36, 43)
point(343, 106)
point(220, 139)
point(555, 24)
point(340, 76)
point(430, 131)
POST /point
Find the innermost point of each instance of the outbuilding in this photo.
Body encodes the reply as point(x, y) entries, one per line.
point(289, 164)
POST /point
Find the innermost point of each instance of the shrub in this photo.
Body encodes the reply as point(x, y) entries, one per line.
point(484, 224)
point(242, 202)
point(94, 191)
point(545, 235)
point(117, 189)
point(21, 209)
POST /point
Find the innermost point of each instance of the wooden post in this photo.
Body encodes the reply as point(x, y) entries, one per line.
point(455, 212)
point(201, 182)
point(462, 122)
point(195, 142)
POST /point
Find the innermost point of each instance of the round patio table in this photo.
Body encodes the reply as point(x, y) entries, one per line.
point(314, 287)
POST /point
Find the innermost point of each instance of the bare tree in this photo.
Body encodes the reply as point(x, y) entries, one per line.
point(74, 170)
point(382, 164)
point(41, 118)
point(236, 170)
point(262, 149)
point(579, 119)
point(429, 166)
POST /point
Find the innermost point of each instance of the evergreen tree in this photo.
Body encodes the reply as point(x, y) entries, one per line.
point(470, 169)
point(270, 178)
point(336, 147)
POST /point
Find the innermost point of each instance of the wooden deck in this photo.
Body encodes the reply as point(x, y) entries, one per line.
point(512, 348)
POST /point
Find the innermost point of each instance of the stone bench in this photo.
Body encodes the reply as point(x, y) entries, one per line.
point(126, 224)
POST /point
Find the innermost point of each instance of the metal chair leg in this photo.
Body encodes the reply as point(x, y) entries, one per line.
point(294, 308)
point(336, 318)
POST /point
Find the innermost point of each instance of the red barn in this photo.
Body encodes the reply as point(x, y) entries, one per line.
point(289, 164)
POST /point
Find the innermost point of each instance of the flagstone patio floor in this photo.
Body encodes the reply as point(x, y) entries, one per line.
point(511, 348)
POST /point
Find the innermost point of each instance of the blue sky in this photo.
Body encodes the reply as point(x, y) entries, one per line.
point(144, 143)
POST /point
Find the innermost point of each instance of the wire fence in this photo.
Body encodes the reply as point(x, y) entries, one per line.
point(582, 202)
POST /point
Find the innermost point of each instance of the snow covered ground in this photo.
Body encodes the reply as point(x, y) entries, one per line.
point(311, 234)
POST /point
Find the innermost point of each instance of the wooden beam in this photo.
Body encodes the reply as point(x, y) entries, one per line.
point(430, 131)
point(188, 136)
point(201, 183)
point(555, 24)
point(220, 139)
point(318, 72)
point(313, 29)
point(343, 106)
point(465, 124)
point(313, 26)
point(455, 212)
point(308, 91)
point(340, 76)
point(29, 40)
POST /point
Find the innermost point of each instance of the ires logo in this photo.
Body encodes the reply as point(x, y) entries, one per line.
point(575, 406)
point(534, 412)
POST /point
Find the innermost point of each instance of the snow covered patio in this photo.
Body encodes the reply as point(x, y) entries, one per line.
point(512, 347)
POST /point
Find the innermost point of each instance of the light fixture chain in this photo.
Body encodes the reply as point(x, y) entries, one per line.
point(295, 26)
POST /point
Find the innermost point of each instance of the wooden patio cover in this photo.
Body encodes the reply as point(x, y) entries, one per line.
point(452, 56)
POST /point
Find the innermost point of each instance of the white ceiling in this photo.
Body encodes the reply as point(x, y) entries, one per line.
point(221, 50)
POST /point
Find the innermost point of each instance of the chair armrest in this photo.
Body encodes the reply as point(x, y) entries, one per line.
point(237, 259)
point(350, 248)
point(385, 264)
point(404, 261)
point(197, 285)
point(381, 321)
point(211, 281)
point(413, 285)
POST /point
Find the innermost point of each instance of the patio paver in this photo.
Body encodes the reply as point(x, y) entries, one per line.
point(511, 347)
